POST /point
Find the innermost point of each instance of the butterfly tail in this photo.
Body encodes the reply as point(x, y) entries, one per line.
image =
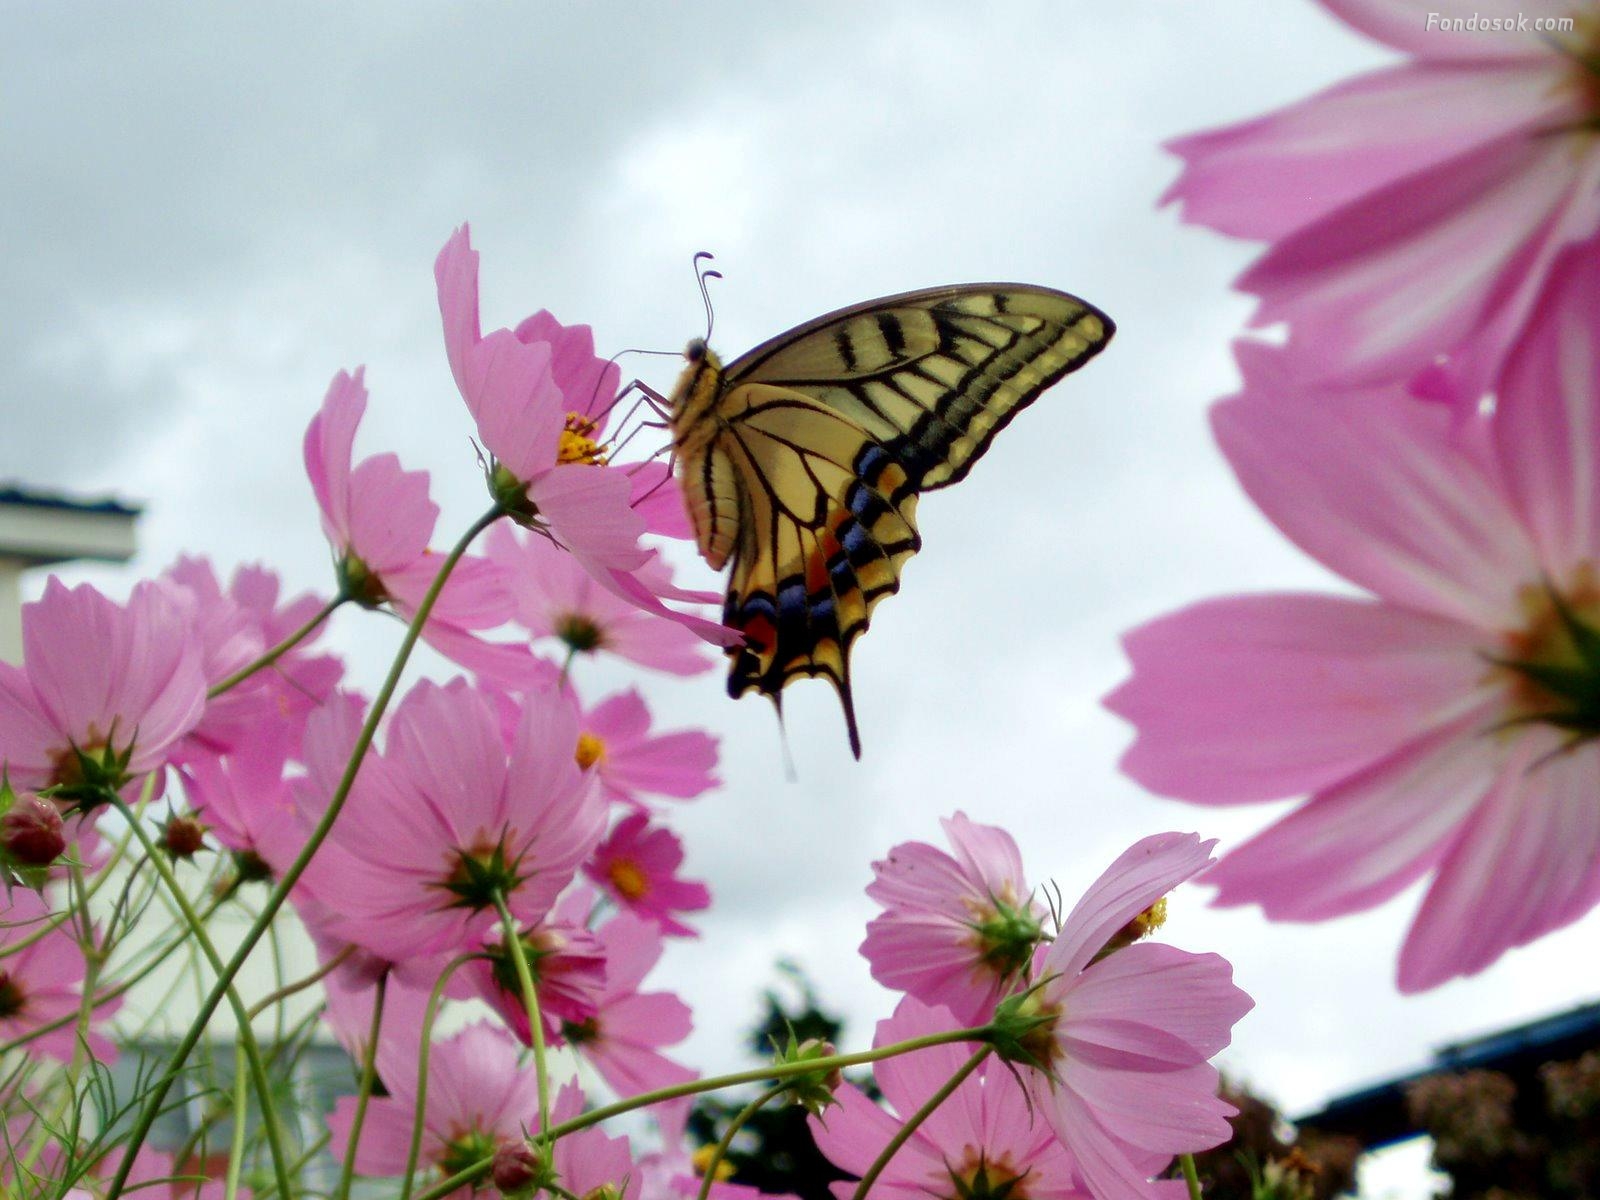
point(848, 704)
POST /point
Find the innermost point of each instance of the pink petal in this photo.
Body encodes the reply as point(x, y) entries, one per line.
point(1267, 177)
point(1364, 839)
point(1404, 25)
point(329, 448)
point(455, 273)
point(657, 498)
point(588, 511)
point(476, 595)
point(1547, 417)
point(1141, 875)
point(391, 514)
point(1169, 1112)
point(27, 735)
point(587, 382)
point(1526, 863)
point(1376, 490)
point(515, 402)
point(1258, 697)
point(855, 1132)
point(1152, 1007)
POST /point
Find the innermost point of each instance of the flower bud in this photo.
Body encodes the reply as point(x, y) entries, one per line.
point(31, 832)
point(813, 1090)
point(518, 1168)
point(183, 836)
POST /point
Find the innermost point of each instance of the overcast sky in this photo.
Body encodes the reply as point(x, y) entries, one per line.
point(209, 210)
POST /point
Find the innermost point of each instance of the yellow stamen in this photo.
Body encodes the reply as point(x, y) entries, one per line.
point(590, 750)
point(578, 444)
point(631, 883)
point(701, 1158)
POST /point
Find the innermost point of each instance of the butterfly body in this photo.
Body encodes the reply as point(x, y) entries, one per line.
point(801, 461)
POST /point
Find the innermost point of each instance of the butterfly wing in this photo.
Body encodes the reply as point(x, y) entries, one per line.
point(826, 434)
point(933, 375)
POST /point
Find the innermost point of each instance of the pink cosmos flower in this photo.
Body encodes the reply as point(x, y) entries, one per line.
point(1126, 1083)
point(1446, 726)
point(622, 1040)
point(591, 1162)
point(615, 740)
point(984, 1140)
point(43, 983)
point(637, 867)
point(156, 1176)
point(478, 1099)
point(124, 706)
point(1415, 211)
point(673, 1173)
point(539, 396)
point(234, 628)
point(440, 821)
point(567, 961)
point(379, 519)
point(247, 804)
point(556, 597)
point(955, 931)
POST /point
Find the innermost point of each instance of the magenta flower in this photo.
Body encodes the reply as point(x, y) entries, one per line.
point(556, 597)
point(615, 740)
point(539, 397)
point(43, 982)
point(1445, 727)
point(623, 1039)
point(247, 804)
point(1126, 1083)
point(1415, 211)
point(478, 1099)
point(440, 822)
point(590, 1162)
point(984, 1140)
point(957, 931)
point(637, 867)
point(379, 519)
point(105, 691)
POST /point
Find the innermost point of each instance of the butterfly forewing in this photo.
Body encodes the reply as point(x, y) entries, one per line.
point(806, 467)
point(933, 375)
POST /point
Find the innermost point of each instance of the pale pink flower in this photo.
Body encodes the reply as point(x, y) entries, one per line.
point(113, 681)
point(590, 1160)
point(1125, 1081)
point(672, 1173)
point(616, 741)
point(43, 982)
point(984, 1140)
point(478, 1099)
point(622, 1040)
point(1445, 727)
point(556, 597)
point(156, 1176)
point(379, 519)
point(247, 804)
point(957, 931)
point(440, 820)
point(1415, 211)
point(637, 866)
point(538, 396)
point(234, 628)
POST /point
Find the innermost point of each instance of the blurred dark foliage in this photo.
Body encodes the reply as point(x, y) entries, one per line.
point(774, 1150)
point(1501, 1141)
point(1267, 1160)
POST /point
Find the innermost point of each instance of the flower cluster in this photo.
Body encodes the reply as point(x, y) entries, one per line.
point(1434, 236)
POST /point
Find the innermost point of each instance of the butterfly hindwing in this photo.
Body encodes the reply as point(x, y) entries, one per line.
point(802, 460)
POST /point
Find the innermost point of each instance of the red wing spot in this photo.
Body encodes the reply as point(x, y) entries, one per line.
point(759, 634)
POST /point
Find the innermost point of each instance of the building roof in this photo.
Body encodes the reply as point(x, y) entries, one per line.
point(1377, 1116)
point(12, 493)
point(38, 528)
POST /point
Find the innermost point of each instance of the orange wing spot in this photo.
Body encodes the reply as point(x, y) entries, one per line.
point(759, 635)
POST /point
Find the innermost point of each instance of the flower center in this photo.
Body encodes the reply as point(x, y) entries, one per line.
point(578, 444)
point(590, 750)
point(1004, 936)
point(11, 998)
point(1582, 47)
point(631, 883)
point(466, 1149)
point(482, 872)
point(579, 1032)
point(580, 633)
point(1554, 660)
point(360, 582)
point(976, 1177)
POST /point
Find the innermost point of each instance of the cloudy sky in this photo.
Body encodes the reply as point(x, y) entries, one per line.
point(210, 210)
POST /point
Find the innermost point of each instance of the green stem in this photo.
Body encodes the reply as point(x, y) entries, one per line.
point(903, 1134)
point(278, 651)
point(241, 1100)
point(1190, 1175)
point(319, 834)
point(709, 1174)
point(369, 1072)
point(530, 997)
point(414, 1155)
point(246, 1035)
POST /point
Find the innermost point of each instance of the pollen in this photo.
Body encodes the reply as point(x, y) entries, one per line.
point(590, 750)
point(631, 882)
point(701, 1159)
point(578, 443)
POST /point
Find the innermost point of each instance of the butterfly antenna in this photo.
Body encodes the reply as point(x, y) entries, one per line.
point(701, 275)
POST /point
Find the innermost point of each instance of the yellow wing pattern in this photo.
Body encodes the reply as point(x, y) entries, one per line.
point(802, 460)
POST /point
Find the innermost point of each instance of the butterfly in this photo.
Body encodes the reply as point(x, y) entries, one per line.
point(801, 461)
